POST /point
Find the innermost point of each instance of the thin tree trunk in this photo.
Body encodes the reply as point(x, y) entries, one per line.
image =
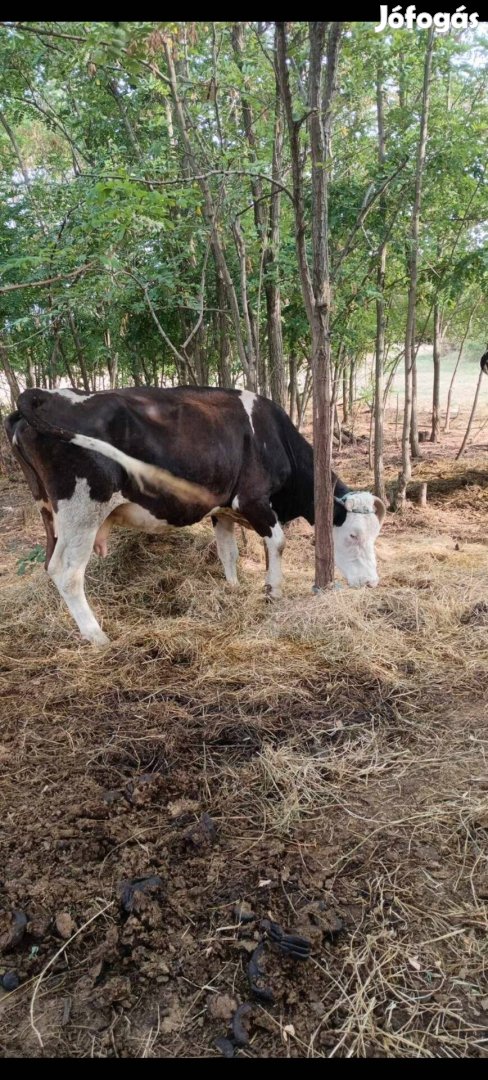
point(472, 415)
point(337, 428)
point(112, 359)
point(30, 374)
point(211, 219)
point(133, 140)
point(292, 387)
point(345, 410)
point(414, 421)
point(79, 353)
point(391, 376)
point(436, 392)
point(241, 252)
point(276, 362)
point(352, 373)
point(371, 457)
point(224, 353)
point(135, 372)
point(268, 234)
point(62, 353)
point(458, 361)
point(9, 375)
point(316, 288)
point(379, 478)
point(406, 471)
point(304, 397)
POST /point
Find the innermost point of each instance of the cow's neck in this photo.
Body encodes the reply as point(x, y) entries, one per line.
point(298, 495)
point(340, 490)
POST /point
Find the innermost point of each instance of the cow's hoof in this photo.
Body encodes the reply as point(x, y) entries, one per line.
point(271, 594)
point(99, 639)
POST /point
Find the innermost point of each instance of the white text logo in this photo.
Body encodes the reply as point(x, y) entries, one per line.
point(442, 20)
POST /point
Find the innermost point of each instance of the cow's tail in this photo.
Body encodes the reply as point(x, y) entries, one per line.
point(39, 409)
point(484, 363)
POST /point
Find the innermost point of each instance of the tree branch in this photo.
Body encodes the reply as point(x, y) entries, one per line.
point(47, 281)
point(363, 213)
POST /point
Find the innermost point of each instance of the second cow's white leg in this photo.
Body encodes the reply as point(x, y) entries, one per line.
point(274, 546)
point(227, 549)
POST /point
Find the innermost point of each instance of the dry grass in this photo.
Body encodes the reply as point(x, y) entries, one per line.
point(339, 744)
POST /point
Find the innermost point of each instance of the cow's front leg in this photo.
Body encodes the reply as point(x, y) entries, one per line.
point(263, 519)
point(274, 547)
point(227, 549)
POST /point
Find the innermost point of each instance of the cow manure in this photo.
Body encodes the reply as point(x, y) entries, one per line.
point(225, 1046)
point(255, 975)
point(298, 948)
point(239, 1029)
point(12, 930)
point(127, 889)
point(203, 834)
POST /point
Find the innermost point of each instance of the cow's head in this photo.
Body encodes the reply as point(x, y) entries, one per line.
point(358, 517)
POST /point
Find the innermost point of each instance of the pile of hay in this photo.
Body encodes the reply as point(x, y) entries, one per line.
point(336, 742)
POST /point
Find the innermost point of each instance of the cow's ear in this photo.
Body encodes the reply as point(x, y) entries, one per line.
point(340, 512)
point(379, 509)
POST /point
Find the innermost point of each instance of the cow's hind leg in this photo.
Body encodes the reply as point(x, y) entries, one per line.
point(227, 549)
point(76, 524)
point(47, 518)
point(67, 570)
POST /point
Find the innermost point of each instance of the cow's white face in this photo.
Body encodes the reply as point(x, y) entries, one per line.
point(354, 541)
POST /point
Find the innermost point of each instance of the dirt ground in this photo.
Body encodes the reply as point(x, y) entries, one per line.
point(225, 765)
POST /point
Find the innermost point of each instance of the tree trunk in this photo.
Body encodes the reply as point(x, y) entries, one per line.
point(250, 339)
point(316, 287)
point(292, 387)
point(472, 415)
point(371, 456)
point(210, 212)
point(79, 353)
point(133, 140)
point(134, 363)
point(30, 375)
point(379, 478)
point(69, 370)
point(436, 392)
point(352, 374)
point(303, 398)
point(414, 419)
point(9, 375)
point(345, 410)
point(276, 362)
point(112, 359)
point(458, 361)
point(224, 354)
point(268, 234)
point(406, 471)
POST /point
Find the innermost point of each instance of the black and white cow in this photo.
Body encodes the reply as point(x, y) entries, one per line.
point(147, 458)
point(484, 363)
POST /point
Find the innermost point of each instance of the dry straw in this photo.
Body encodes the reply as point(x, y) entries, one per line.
point(346, 732)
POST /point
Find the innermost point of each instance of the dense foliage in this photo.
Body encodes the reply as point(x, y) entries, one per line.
point(138, 272)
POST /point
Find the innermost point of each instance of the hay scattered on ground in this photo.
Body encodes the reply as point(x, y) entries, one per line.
point(338, 744)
